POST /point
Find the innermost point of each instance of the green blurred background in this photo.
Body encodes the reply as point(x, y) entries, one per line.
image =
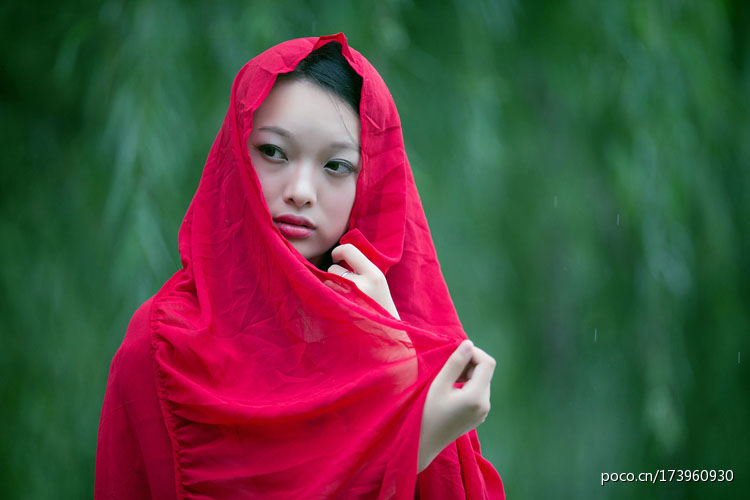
point(583, 165)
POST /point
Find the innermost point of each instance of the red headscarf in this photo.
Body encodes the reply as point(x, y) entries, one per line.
point(277, 380)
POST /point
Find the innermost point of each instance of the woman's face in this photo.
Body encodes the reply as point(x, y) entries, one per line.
point(304, 146)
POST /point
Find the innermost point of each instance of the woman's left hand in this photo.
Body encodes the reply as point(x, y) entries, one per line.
point(450, 411)
point(364, 274)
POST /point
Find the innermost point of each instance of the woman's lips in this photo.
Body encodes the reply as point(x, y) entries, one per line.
point(292, 226)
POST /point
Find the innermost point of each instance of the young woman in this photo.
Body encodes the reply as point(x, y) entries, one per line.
point(308, 347)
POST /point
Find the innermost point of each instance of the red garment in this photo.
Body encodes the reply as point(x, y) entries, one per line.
point(253, 374)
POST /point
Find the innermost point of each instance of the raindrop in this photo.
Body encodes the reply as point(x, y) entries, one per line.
point(618, 219)
point(594, 334)
point(555, 201)
point(738, 357)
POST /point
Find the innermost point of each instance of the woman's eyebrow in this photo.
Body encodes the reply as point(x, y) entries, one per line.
point(277, 130)
point(345, 145)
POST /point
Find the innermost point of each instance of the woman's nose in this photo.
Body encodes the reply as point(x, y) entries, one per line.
point(300, 185)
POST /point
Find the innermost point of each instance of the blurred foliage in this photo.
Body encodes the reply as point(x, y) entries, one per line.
point(584, 166)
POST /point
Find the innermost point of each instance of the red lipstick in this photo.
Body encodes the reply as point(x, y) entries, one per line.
point(294, 226)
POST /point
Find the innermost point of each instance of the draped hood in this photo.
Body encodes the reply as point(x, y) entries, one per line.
point(279, 380)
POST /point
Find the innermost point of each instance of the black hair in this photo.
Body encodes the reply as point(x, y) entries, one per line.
point(328, 68)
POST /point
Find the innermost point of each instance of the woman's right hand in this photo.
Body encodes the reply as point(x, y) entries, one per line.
point(368, 278)
point(449, 412)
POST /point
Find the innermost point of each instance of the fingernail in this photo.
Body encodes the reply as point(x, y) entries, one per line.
point(466, 347)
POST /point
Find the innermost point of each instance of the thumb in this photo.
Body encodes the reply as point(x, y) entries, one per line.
point(455, 365)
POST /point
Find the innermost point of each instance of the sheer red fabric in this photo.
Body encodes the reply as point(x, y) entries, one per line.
point(253, 374)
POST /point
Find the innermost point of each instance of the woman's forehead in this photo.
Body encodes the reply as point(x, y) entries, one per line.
point(299, 107)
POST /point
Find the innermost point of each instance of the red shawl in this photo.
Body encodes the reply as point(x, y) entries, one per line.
point(253, 374)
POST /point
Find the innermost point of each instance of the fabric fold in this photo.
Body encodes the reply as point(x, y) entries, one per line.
point(277, 380)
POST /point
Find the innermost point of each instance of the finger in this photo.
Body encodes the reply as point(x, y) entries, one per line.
point(467, 373)
point(478, 355)
point(483, 371)
point(355, 258)
point(454, 366)
point(341, 271)
point(346, 274)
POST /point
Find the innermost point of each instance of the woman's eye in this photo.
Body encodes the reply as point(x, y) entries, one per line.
point(272, 152)
point(339, 167)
